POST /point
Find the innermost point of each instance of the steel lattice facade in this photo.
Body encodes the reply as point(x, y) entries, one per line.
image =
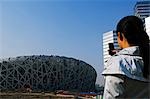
point(46, 73)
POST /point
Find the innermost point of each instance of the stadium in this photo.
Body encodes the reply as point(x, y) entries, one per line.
point(46, 73)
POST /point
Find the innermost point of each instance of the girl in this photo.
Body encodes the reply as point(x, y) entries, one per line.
point(127, 72)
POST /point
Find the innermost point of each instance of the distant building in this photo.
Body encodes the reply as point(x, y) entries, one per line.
point(142, 9)
point(46, 73)
point(109, 38)
point(147, 25)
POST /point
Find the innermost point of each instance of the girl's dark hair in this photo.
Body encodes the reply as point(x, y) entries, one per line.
point(132, 28)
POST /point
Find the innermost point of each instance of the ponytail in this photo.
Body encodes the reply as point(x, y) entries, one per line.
point(144, 52)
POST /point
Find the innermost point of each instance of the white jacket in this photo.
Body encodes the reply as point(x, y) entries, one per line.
point(124, 76)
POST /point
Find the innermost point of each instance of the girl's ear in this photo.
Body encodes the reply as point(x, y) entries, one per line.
point(120, 36)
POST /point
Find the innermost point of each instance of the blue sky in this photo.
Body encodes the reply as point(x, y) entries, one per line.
point(71, 28)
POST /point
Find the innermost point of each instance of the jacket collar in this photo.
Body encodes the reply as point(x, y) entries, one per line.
point(134, 50)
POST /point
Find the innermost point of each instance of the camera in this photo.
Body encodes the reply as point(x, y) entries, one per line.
point(112, 50)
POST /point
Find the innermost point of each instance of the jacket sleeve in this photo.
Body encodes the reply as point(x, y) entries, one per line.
point(113, 66)
point(114, 87)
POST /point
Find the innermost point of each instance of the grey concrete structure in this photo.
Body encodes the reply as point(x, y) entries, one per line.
point(109, 37)
point(147, 25)
point(46, 73)
point(142, 9)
